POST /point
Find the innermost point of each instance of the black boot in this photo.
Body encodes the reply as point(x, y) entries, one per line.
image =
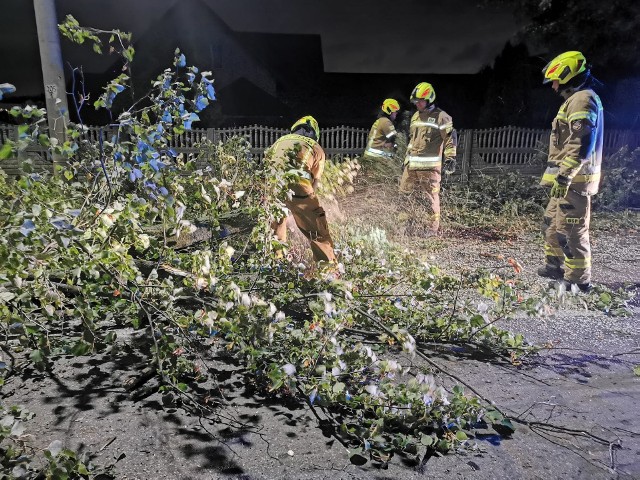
point(554, 273)
point(583, 287)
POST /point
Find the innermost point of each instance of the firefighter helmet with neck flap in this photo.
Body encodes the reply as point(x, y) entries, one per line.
point(423, 91)
point(309, 124)
point(390, 105)
point(565, 67)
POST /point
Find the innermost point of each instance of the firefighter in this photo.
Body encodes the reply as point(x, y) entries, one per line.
point(431, 138)
point(382, 136)
point(302, 146)
point(573, 171)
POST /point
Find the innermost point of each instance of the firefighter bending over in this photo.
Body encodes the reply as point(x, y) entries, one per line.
point(304, 205)
point(573, 171)
point(382, 136)
point(431, 138)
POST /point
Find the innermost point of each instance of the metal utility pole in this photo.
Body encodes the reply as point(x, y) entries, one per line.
point(55, 90)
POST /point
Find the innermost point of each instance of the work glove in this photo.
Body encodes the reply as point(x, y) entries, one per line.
point(449, 166)
point(560, 187)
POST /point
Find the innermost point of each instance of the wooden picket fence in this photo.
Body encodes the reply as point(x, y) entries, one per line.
point(488, 151)
point(522, 150)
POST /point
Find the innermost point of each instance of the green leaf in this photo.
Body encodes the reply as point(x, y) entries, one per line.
point(6, 296)
point(443, 446)
point(338, 387)
point(22, 131)
point(605, 298)
point(507, 423)
point(426, 440)
point(460, 435)
point(37, 356)
point(493, 416)
point(276, 385)
point(6, 150)
point(128, 53)
point(636, 370)
point(81, 348)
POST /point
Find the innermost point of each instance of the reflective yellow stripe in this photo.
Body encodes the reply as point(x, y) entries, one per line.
point(446, 125)
point(594, 177)
point(450, 152)
point(570, 162)
point(582, 114)
point(574, 263)
point(561, 116)
point(416, 162)
point(553, 251)
point(374, 152)
point(425, 124)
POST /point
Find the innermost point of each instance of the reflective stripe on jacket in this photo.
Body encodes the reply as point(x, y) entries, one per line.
point(431, 133)
point(382, 132)
point(575, 146)
point(375, 152)
point(309, 157)
point(415, 162)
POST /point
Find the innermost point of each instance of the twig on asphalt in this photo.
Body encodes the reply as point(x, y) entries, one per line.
point(107, 444)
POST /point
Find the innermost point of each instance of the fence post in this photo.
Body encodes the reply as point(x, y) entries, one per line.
point(467, 155)
point(211, 135)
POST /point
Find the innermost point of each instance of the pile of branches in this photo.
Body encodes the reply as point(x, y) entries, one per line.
point(128, 234)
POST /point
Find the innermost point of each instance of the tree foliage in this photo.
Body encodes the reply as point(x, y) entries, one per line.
point(606, 32)
point(510, 81)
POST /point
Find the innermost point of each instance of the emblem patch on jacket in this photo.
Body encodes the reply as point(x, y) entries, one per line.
point(576, 125)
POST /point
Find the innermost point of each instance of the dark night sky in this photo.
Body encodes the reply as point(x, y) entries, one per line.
point(403, 36)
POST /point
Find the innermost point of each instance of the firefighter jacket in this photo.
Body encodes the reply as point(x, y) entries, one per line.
point(575, 147)
point(382, 132)
point(431, 135)
point(302, 153)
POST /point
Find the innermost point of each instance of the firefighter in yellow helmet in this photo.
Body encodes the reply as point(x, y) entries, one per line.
point(432, 138)
point(381, 142)
point(301, 146)
point(573, 171)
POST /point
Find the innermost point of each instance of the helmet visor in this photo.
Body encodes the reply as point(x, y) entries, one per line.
point(558, 72)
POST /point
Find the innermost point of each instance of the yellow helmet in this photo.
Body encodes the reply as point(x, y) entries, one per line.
point(423, 91)
point(390, 105)
point(564, 67)
point(310, 123)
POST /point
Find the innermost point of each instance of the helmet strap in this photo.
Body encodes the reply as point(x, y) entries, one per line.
point(579, 82)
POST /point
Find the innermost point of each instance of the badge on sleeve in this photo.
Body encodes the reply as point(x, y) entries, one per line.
point(576, 125)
